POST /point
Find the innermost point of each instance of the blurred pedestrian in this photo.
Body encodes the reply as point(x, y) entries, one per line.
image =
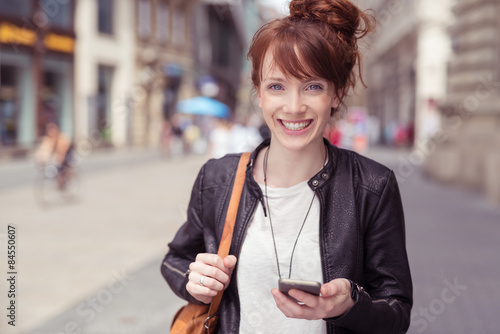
point(309, 210)
point(166, 136)
point(177, 142)
point(219, 140)
point(243, 137)
point(57, 148)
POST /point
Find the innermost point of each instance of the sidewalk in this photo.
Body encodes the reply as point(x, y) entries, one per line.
point(18, 172)
point(129, 210)
point(103, 271)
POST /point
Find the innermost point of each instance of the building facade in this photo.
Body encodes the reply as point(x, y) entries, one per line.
point(105, 71)
point(466, 151)
point(164, 64)
point(37, 48)
point(405, 67)
point(220, 46)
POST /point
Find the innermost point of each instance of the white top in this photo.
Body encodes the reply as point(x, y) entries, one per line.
point(257, 271)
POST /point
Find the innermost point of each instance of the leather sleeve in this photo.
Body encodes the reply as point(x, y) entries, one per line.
point(187, 243)
point(386, 307)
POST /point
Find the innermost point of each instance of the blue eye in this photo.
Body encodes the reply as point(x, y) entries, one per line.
point(315, 87)
point(275, 87)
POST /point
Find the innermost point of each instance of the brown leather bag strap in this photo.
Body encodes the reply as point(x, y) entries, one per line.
point(227, 233)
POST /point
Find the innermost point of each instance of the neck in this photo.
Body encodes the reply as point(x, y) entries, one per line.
point(286, 168)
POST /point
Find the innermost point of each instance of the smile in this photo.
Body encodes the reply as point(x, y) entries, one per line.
point(295, 126)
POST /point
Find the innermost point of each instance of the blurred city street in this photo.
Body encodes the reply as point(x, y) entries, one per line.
point(143, 91)
point(93, 266)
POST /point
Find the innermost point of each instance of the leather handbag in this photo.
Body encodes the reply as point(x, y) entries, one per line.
point(202, 319)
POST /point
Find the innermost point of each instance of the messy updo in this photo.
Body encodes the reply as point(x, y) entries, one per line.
point(325, 34)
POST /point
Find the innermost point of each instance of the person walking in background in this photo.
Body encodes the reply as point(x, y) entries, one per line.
point(57, 148)
point(219, 139)
point(308, 210)
point(243, 136)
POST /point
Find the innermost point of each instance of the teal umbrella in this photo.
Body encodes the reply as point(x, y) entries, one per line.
point(203, 106)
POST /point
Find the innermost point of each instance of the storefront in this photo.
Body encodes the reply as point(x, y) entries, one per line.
point(36, 71)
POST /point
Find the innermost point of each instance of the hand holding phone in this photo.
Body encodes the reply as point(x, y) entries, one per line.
point(286, 284)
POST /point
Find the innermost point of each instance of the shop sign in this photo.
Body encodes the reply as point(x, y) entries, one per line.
point(59, 43)
point(12, 34)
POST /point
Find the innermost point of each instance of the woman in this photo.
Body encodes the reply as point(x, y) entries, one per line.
point(308, 210)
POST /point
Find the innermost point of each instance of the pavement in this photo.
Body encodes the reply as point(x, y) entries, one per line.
point(92, 266)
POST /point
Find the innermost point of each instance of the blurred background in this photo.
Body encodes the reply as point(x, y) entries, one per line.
point(142, 92)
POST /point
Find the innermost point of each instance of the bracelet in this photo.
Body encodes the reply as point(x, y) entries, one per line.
point(356, 289)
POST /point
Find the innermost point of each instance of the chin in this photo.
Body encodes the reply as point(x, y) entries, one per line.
point(293, 144)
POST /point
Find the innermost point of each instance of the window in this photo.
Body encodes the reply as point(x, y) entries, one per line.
point(179, 28)
point(58, 13)
point(9, 103)
point(144, 19)
point(21, 8)
point(105, 16)
point(162, 23)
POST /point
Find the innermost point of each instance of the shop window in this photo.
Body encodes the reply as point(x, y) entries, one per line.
point(163, 22)
point(144, 19)
point(179, 28)
point(8, 105)
point(58, 13)
point(21, 8)
point(105, 77)
point(105, 16)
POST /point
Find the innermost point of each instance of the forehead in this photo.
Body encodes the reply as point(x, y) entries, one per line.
point(287, 63)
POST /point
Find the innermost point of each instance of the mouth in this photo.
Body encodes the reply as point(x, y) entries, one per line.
point(295, 126)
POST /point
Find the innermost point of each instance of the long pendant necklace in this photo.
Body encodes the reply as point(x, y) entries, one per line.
point(266, 157)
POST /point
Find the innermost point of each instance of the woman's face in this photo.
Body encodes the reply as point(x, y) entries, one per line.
point(296, 111)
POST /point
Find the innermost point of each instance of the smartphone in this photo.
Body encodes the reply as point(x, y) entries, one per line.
point(285, 284)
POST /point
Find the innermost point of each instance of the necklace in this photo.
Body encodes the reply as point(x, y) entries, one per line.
point(266, 157)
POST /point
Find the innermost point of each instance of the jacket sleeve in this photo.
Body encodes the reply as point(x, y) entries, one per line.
point(385, 308)
point(187, 243)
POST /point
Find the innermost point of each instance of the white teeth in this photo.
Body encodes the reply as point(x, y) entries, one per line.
point(295, 126)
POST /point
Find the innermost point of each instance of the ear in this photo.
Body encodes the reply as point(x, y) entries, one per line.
point(335, 102)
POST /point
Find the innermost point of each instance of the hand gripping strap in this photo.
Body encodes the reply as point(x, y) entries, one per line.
point(227, 234)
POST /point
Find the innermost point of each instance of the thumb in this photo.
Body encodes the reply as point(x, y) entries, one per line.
point(328, 289)
point(230, 261)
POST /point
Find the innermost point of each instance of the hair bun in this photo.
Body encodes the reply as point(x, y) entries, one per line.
point(341, 15)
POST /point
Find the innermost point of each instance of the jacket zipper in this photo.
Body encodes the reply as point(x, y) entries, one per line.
point(169, 267)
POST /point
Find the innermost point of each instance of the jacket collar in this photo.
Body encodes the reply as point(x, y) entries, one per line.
point(316, 182)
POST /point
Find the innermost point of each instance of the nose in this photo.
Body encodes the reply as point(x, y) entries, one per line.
point(294, 103)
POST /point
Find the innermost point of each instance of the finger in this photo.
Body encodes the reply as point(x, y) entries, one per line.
point(287, 306)
point(209, 271)
point(230, 262)
point(335, 287)
point(206, 281)
point(213, 260)
point(307, 299)
point(202, 294)
point(216, 261)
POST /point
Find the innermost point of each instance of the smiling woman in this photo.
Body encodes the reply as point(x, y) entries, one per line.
point(309, 211)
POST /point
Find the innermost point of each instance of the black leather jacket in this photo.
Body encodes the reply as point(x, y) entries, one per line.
point(362, 238)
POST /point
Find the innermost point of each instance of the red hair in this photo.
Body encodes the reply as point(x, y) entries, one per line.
point(318, 39)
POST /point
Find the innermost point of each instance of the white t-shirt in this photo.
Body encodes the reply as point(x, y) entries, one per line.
point(257, 269)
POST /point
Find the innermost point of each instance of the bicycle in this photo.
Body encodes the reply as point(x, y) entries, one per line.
point(54, 184)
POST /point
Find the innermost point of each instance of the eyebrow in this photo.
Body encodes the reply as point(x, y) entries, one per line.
point(278, 79)
point(274, 79)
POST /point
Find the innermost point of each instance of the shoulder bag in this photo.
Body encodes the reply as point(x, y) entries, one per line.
point(202, 319)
